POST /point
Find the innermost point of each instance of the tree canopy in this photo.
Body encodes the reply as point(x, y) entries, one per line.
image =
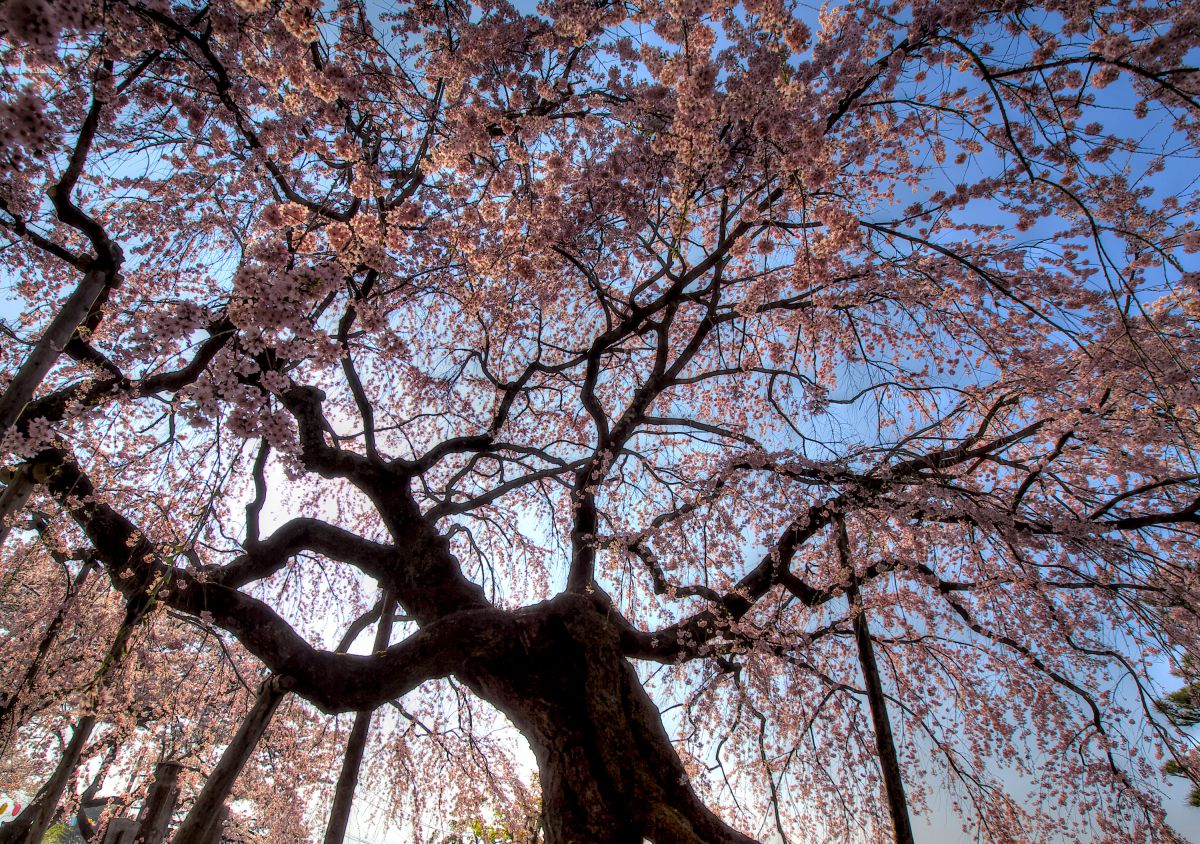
point(776, 419)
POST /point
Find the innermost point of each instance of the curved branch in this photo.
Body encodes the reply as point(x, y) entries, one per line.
point(333, 682)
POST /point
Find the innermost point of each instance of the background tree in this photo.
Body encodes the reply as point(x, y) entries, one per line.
point(775, 417)
point(1182, 708)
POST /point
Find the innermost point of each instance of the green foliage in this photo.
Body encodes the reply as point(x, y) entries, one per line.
point(1174, 769)
point(61, 833)
point(1182, 708)
point(475, 831)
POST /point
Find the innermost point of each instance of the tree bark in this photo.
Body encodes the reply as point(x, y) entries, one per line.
point(17, 489)
point(343, 793)
point(206, 809)
point(51, 344)
point(160, 804)
point(885, 743)
point(31, 824)
point(607, 767)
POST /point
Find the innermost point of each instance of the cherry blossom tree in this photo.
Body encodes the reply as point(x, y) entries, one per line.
point(775, 418)
point(103, 717)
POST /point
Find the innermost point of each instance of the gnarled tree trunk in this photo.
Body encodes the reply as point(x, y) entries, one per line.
point(607, 768)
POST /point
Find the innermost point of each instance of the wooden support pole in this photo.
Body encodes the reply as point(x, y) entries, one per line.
point(30, 826)
point(196, 827)
point(18, 486)
point(216, 826)
point(885, 742)
point(51, 344)
point(343, 793)
point(156, 812)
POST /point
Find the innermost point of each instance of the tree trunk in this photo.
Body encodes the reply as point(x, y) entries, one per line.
point(607, 768)
point(50, 345)
point(207, 807)
point(343, 793)
point(31, 824)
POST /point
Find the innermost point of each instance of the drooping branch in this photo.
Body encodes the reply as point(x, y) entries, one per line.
point(202, 41)
point(686, 638)
point(606, 270)
point(50, 345)
point(8, 703)
point(81, 308)
point(55, 406)
point(30, 826)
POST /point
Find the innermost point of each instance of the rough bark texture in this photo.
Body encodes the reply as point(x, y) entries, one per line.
point(607, 767)
point(160, 804)
point(557, 669)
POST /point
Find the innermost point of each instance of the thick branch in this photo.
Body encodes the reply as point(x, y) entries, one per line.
point(334, 682)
